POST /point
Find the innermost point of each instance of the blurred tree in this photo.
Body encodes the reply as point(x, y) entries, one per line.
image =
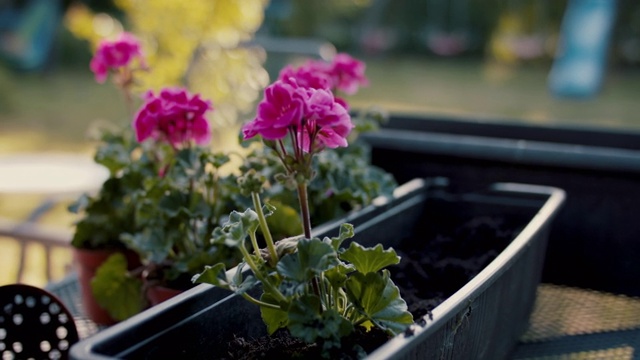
point(197, 43)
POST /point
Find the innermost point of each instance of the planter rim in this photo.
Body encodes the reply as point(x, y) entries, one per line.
point(512, 150)
point(586, 134)
point(463, 298)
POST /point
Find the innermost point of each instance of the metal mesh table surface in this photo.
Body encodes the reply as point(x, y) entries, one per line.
point(68, 291)
point(573, 323)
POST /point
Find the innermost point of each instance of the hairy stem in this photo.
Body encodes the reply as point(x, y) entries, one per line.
point(269, 287)
point(304, 209)
point(254, 243)
point(257, 204)
point(259, 302)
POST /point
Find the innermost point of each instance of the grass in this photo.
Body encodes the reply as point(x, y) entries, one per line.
point(53, 112)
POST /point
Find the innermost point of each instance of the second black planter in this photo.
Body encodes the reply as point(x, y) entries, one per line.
point(482, 319)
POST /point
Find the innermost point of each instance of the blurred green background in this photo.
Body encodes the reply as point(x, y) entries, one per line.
point(477, 59)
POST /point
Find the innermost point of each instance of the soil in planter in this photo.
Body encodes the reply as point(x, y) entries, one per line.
point(283, 346)
point(431, 271)
point(436, 262)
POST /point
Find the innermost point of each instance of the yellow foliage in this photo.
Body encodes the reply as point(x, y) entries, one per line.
point(193, 43)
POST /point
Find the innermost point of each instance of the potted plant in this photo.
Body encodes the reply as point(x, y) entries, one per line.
point(321, 292)
point(175, 193)
point(106, 215)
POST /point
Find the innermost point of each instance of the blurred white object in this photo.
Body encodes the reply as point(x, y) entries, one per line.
point(56, 176)
point(50, 174)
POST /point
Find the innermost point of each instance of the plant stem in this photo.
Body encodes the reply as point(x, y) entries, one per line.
point(265, 229)
point(269, 287)
point(259, 302)
point(254, 242)
point(304, 209)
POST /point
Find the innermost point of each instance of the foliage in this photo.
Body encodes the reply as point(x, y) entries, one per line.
point(111, 212)
point(177, 212)
point(109, 286)
point(315, 289)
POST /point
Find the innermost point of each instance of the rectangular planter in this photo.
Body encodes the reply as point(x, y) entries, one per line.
point(599, 168)
point(483, 319)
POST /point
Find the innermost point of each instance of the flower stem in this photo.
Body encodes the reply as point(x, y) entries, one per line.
point(269, 287)
point(259, 302)
point(304, 209)
point(254, 243)
point(265, 229)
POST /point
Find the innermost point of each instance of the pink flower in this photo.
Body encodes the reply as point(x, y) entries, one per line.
point(283, 106)
point(174, 116)
point(312, 74)
point(328, 122)
point(348, 73)
point(116, 54)
point(312, 116)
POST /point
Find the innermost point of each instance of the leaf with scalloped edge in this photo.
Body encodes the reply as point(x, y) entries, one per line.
point(378, 299)
point(116, 290)
point(368, 260)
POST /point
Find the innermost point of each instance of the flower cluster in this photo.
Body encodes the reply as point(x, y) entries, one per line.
point(165, 194)
point(313, 287)
point(174, 116)
point(312, 117)
point(344, 73)
point(117, 55)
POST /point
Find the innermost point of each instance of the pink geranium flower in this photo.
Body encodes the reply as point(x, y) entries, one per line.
point(283, 107)
point(344, 73)
point(328, 122)
point(174, 116)
point(116, 54)
point(311, 116)
point(312, 74)
point(348, 74)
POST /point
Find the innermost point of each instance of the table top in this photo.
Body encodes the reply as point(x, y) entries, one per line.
point(50, 174)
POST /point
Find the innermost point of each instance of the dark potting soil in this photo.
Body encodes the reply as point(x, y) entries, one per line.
point(431, 271)
point(283, 346)
point(436, 262)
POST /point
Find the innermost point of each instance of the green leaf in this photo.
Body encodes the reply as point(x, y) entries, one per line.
point(217, 275)
point(214, 275)
point(337, 275)
point(172, 203)
point(346, 232)
point(306, 322)
point(378, 299)
point(217, 159)
point(312, 258)
point(116, 290)
point(368, 260)
point(274, 318)
point(237, 228)
point(151, 243)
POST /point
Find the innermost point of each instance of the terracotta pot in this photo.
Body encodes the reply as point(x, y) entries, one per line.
point(157, 294)
point(87, 262)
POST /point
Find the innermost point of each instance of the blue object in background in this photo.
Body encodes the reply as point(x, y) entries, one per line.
point(27, 32)
point(581, 59)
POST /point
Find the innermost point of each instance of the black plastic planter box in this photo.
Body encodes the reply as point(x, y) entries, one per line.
point(594, 243)
point(483, 319)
